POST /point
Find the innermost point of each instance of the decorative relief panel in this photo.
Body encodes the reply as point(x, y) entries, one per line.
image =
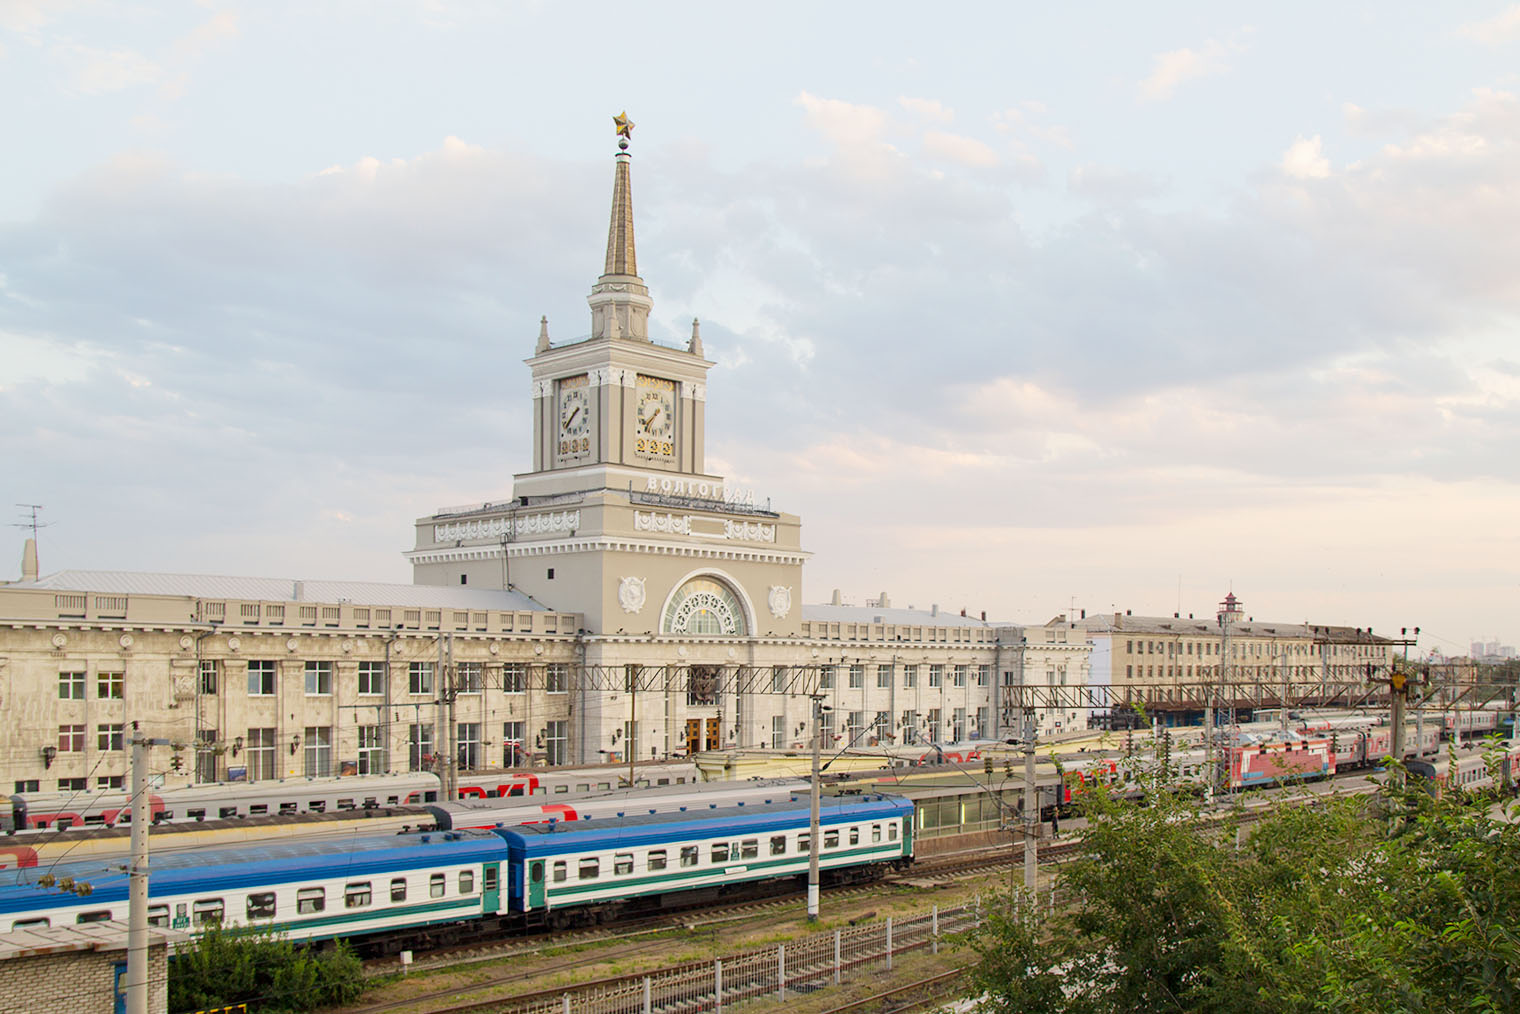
point(780, 600)
point(697, 392)
point(670, 524)
point(493, 528)
point(749, 531)
point(631, 594)
point(543, 388)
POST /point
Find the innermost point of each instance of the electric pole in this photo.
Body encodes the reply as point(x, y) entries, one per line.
point(137, 877)
point(1031, 807)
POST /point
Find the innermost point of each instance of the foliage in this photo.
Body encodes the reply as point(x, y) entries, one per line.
point(1332, 907)
point(264, 970)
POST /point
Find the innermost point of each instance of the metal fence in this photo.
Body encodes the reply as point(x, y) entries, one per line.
point(804, 965)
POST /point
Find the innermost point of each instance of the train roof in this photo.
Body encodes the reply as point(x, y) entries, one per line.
point(648, 828)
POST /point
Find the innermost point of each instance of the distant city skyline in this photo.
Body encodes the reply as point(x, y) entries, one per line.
point(1022, 311)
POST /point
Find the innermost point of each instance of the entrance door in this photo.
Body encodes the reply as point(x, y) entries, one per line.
point(714, 734)
point(693, 736)
point(536, 884)
point(490, 887)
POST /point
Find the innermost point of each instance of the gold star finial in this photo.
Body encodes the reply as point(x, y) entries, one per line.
point(624, 125)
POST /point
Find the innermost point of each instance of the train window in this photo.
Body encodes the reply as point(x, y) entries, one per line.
point(370, 802)
point(357, 895)
point(346, 804)
point(854, 836)
point(311, 899)
point(622, 864)
point(562, 788)
point(21, 924)
point(99, 915)
point(749, 848)
point(158, 915)
point(466, 881)
point(258, 809)
point(875, 833)
point(208, 911)
point(316, 806)
point(603, 786)
point(197, 814)
point(227, 811)
point(657, 859)
point(778, 845)
point(831, 839)
point(437, 884)
point(288, 808)
point(261, 905)
point(398, 889)
point(662, 781)
point(389, 801)
point(536, 872)
point(560, 873)
point(891, 832)
point(690, 855)
point(804, 843)
point(590, 869)
point(94, 820)
point(720, 852)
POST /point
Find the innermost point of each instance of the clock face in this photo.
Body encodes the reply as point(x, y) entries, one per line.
point(704, 606)
point(655, 420)
point(574, 437)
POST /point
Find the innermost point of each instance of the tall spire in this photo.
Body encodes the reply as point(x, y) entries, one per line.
point(620, 293)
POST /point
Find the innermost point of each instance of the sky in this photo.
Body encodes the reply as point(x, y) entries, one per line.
point(1024, 308)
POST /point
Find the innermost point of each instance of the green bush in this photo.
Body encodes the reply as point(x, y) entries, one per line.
point(262, 969)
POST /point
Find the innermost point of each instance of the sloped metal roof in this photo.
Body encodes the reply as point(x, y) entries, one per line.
point(828, 613)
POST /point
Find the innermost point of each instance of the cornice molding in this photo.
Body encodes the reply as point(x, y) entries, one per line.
point(606, 544)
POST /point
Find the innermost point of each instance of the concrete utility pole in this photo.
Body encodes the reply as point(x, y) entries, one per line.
point(1031, 807)
point(137, 878)
point(813, 815)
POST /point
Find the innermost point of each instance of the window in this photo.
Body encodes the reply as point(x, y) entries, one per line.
point(556, 742)
point(875, 833)
point(891, 832)
point(258, 748)
point(719, 852)
point(318, 743)
point(749, 848)
point(398, 889)
point(857, 677)
point(21, 924)
point(208, 911)
point(933, 730)
point(437, 885)
point(560, 874)
point(261, 677)
point(70, 739)
point(881, 725)
point(514, 746)
point(469, 746)
point(208, 676)
point(778, 732)
point(778, 845)
point(779, 677)
point(419, 678)
point(310, 900)
point(109, 686)
point(884, 677)
point(828, 726)
point(961, 671)
point(99, 915)
point(466, 881)
point(855, 724)
point(158, 915)
point(68, 785)
point(371, 752)
point(371, 678)
point(983, 720)
point(854, 836)
point(910, 677)
point(109, 736)
point(205, 755)
point(111, 782)
point(831, 839)
point(805, 843)
point(419, 747)
point(936, 675)
point(557, 678)
point(983, 675)
point(958, 730)
point(910, 726)
point(318, 678)
point(28, 785)
point(622, 864)
point(690, 855)
point(589, 869)
point(357, 894)
point(261, 905)
point(468, 677)
point(656, 859)
point(826, 678)
point(514, 678)
point(71, 686)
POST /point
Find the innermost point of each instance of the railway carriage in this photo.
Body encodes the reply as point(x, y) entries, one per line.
point(489, 813)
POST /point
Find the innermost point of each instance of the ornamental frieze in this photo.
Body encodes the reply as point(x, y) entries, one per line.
point(670, 524)
point(749, 531)
point(553, 523)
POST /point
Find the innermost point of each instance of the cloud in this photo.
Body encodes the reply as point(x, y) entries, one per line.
point(1304, 159)
point(967, 151)
point(1172, 69)
point(928, 109)
point(99, 71)
point(1496, 30)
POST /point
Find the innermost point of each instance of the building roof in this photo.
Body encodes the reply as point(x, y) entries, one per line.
point(827, 613)
point(280, 589)
point(110, 935)
point(1112, 623)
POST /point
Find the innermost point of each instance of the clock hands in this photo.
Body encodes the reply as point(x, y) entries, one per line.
point(571, 420)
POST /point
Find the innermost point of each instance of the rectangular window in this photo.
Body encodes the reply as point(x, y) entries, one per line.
point(158, 915)
point(111, 782)
point(983, 675)
point(936, 675)
point(719, 852)
point(514, 678)
point(514, 744)
point(258, 747)
point(205, 755)
point(208, 676)
point(319, 678)
point(71, 686)
point(958, 722)
point(881, 725)
point(100, 915)
point(622, 864)
point(749, 848)
point(310, 900)
point(419, 678)
point(398, 889)
point(983, 728)
point(780, 676)
point(875, 833)
point(854, 836)
point(934, 729)
point(828, 726)
point(857, 677)
point(831, 839)
point(690, 855)
point(357, 894)
point(910, 726)
point(557, 742)
point(469, 746)
point(110, 686)
point(108, 737)
point(656, 859)
point(855, 724)
point(910, 677)
point(261, 905)
point(318, 742)
point(371, 752)
point(71, 739)
point(778, 732)
point(208, 911)
point(884, 677)
point(826, 678)
point(891, 832)
point(588, 869)
point(469, 677)
point(371, 679)
point(961, 671)
point(67, 785)
point(557, 678)
point(261, 677)
point(778, 845)
point(438, 885)
point(419, 747)
point(560, 873)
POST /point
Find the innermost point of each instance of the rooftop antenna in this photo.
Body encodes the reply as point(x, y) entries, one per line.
point(30, 520)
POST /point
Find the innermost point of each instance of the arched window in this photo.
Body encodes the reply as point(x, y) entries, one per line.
point(704, 605)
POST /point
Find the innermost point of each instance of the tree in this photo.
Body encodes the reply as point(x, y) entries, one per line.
point(1333, 907)
point(262, 969)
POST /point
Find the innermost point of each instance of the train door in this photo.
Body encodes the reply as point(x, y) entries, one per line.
point(693, 736)
point(490, 888)
point(714, 734)
point(535, 884)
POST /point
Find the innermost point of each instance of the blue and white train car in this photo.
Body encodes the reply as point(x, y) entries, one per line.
point(568, 871)
point(308, 890)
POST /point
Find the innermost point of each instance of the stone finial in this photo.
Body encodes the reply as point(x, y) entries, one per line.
point(29, 560)
point(695, 348)
point(543, 335)
point(838, 599)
